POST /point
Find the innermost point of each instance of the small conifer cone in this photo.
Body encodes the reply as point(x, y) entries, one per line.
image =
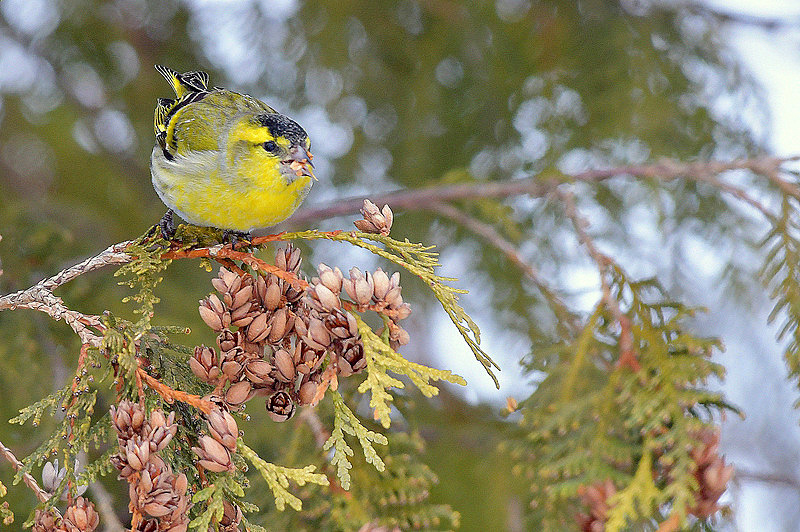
point(213, 455)
point(238, 393)
point(375, 220)
point(223, 428)
point(359, 287)
point(128, 418)
point(80, 517)
point(231, 517)
point(162, 430)
point(47, 521)
point(280, 325)
point(280, 406)
point(205, 364)
point(712, 474)
point(288, 259)
point(227, 340)
point(596, 498)
point(331, 278)
point(214, 313)
point(258, 372)
point(351, 357)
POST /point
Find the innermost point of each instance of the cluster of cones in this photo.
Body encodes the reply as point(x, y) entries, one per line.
point(157, 495)
point(290, 344)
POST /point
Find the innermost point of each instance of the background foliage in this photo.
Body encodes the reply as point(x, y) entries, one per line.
point(393, 94)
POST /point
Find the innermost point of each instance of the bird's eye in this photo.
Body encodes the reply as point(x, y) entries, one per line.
point(270, 146)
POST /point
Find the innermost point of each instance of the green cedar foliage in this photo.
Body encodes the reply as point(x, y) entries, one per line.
point(592, 418)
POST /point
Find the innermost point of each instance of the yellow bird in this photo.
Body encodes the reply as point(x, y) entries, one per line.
point(224, 159)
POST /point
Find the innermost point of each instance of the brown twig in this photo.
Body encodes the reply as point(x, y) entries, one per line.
point(538, 186)
point(227, 252)
point(627, 356)
point(42, 495)
point(170, 395)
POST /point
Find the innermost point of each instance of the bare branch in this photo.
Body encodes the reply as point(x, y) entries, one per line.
point(540, 185)
point(6, 453)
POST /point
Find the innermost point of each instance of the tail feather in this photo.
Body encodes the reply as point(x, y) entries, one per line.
point(194, 81)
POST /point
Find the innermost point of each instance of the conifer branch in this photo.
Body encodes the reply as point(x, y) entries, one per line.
point(8, 454)
point(627, 355)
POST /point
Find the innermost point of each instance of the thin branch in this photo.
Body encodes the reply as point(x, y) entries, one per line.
point(494, 238)
point(321, 434)
point(6, 453)
point(771, 478)
point(108, 516)
point(538, 186)
point(627, 355)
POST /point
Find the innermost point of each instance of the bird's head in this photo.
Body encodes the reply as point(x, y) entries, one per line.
point(270, 141)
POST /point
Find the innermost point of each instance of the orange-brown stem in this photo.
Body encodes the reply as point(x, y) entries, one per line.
point(170, 395)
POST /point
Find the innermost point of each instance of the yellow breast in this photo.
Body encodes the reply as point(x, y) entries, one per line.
point(201, 193)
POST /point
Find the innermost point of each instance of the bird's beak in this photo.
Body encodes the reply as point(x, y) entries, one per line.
point(301, 162)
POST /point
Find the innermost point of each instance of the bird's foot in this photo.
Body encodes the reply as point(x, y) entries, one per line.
point(236, 237)
point(167, 225)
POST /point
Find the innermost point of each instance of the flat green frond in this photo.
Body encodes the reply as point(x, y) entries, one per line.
point(213, 496)
point(278, 477)
point(639, 497)
point(382, 358)
point(422, 262)
point(347, 422)
point(47, 405)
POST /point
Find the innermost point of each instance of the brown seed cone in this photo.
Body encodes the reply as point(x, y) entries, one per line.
point(596, 498)
point(213, 455)
point(214, 313)
point(375, 220)
point(80, 516)
point(46, 521)
point(307, 392)
point(331, 278)
point(258, 372)
point(284, 366)
point(223, 428)
point(712, 474)
point(258, 329)
point(238, 393)
point(162, 430)
point(313, 332)
point(359, 287)
point(231, 517)
point(128, 419)
point(227, 340)
point(397, 336)
point(148, 525)
point(341, 324)
point(233, 362)
point(136, 452)
point(350, 357)
point(205, 364)
point(280, 325)
point(321, 298)
point(227, 281)
point(288, 259)
point(280, 406)
point(159, 493)
point(308, 360)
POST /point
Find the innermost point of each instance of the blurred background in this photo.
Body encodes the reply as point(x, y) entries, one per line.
point(409, 94)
